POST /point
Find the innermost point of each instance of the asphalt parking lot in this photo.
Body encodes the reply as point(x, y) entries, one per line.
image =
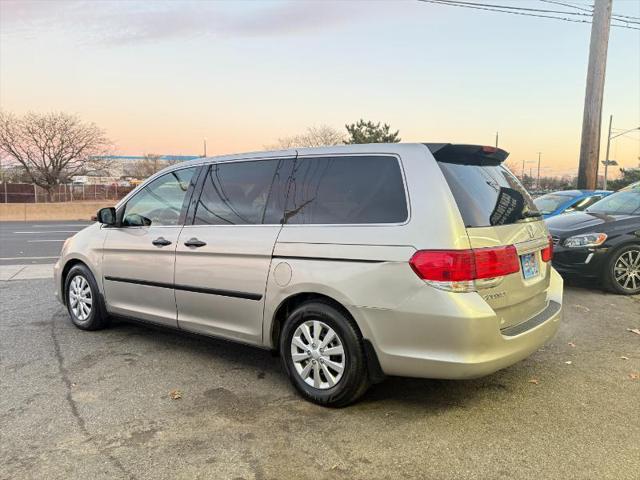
point(97, 405)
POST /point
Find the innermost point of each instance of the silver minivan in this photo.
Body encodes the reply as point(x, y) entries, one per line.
point(352, 262)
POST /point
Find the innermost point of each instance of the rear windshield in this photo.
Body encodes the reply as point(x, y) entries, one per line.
point(488, 195)
point(549, 203)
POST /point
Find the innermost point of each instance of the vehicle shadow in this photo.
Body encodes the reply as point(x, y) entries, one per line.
point(584, 283)
point(393, 392)
point(195, 344)
point(436, 394)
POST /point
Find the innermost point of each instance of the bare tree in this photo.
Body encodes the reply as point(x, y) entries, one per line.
point(53, 147)
point(515, 168)
point(320, 136)
point(150, 164)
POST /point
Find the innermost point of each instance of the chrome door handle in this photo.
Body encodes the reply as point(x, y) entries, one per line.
point(161, 242)
point(194, 242)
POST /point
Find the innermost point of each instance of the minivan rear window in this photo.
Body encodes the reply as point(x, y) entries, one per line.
point(487, 195)
point(346, 190)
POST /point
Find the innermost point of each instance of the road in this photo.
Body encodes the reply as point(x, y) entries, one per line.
point(34, 242)
point(96, 405)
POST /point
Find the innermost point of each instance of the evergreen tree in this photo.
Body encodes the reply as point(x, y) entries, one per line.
point(369, 132)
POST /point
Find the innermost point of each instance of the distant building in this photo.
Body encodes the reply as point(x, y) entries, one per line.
point(120, 170)
point(124, 166)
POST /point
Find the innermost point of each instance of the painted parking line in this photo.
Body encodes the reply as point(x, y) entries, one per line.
point(40, 241)
point(48, 231)
point(7, 259)
point(81, 225)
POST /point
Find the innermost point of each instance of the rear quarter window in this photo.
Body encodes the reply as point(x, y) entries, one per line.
point(346, 190)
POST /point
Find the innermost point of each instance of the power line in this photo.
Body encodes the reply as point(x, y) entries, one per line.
point(526, 12)
point(616, 16)
point(624, 20)
point(462, 3)
point(625, 16)
point(570, 5)
point(451, 4)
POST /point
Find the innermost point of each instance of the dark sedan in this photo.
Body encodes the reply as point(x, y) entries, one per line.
point(602, 242)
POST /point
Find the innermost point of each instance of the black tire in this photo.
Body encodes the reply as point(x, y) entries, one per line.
point(96, 318)
point(611, 274)
point(354, 380)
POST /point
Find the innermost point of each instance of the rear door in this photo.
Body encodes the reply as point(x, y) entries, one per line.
point(498, 211)
point(139, 254)
point(223, 257)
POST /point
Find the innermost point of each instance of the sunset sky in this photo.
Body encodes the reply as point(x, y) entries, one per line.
point(160, 77)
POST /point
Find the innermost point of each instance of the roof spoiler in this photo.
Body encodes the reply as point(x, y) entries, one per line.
point(467, 154)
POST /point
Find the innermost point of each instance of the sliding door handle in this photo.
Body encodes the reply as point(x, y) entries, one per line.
point(161, 242)
point(194, 242)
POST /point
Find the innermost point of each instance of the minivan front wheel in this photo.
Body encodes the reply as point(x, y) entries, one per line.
point(323, 354)
point(83, 299)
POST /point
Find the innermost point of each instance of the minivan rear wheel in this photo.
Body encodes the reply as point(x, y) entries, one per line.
point(323, 354)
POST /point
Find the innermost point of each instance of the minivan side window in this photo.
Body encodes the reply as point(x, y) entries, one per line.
point(243, 193)
point(346, 190)
point(160, 201)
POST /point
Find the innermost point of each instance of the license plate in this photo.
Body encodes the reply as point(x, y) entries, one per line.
point(529, 265)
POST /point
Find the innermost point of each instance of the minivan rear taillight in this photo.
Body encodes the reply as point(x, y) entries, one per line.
point(456, 270)
point(547, 253)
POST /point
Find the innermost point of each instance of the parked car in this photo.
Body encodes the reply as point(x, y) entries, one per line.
point(632, 186)
point(353, 262)
point(555, 203)
point(603, 242)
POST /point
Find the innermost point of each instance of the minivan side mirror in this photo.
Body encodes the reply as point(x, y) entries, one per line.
point(106, 216)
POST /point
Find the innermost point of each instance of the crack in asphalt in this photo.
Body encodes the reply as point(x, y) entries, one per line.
point(64, 374)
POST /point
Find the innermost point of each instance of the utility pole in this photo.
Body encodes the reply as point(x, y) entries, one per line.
point(610, 137)
point(606, 160)
point(523, 169)
point(205, 148)
point(538, 177)
point(496, 139)
point(592, 116)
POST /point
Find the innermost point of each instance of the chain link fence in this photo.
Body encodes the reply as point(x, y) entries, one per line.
point(29, 193)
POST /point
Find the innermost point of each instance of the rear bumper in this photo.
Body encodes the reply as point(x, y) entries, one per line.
point(460, 337)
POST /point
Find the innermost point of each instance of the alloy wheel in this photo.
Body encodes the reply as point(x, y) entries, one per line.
point(626, 270)
point(80, 297)
point(318, 354)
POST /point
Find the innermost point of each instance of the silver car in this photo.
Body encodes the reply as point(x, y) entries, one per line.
point(353, 262)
